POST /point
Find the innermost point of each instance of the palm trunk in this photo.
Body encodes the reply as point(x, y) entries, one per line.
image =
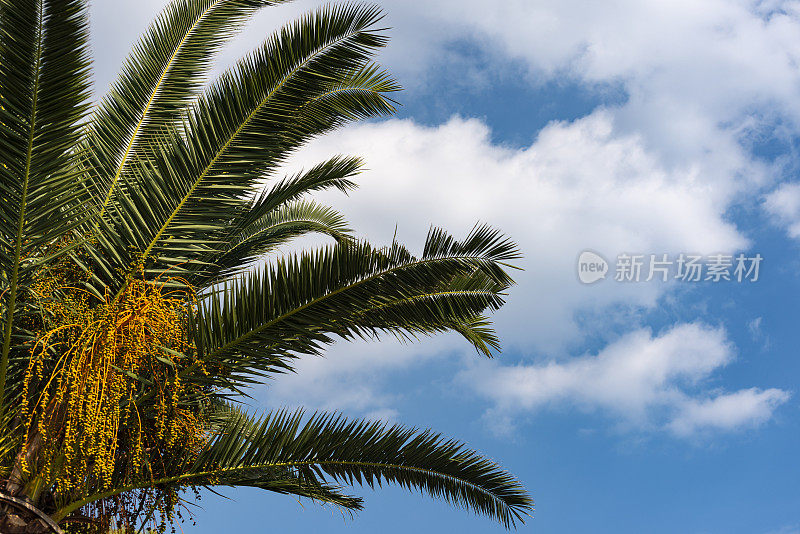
point(27, 454)
point(20, 517)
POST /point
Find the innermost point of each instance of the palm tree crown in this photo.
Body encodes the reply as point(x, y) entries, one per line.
point(141, 292)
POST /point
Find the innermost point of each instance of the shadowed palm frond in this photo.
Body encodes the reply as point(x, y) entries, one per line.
point(160, 77)
point(333, 173)
point(276, 228)
point(281, 201)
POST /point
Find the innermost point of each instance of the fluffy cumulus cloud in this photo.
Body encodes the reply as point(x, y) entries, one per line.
point(647, 381)
point(682, 53)
point(728, 411)
point(678, 63)
point(688, 46)
point(685, 51)
point(655, 173)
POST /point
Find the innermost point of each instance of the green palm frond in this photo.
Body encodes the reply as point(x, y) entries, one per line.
point(44, 91)
point(160, 77)
point(276, 228)
point(10, 440)
point(260, 323)
point(250, 232)
point(287, 452)
point(333, 173)
point(357, 94)
point(184, 194)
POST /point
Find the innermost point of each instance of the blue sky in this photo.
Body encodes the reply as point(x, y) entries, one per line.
point(634, 126)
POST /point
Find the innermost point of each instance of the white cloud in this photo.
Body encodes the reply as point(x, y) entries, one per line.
point(685, 50)
point(784, 205)
point(645, 381)
point(693, 48)
point(579, 185)
point(352, 376)
point(749, 407)
point(701, 76)
point(759, 334)
point(714, 61)
point(755, 327)
point(682, 53)
point(704, 80)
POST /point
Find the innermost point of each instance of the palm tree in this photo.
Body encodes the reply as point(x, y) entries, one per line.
point(142, 292)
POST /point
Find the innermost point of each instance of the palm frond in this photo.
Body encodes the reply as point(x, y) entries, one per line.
point(282, 202)
point(161, 76)
point(333, 173)
point(277, 228)
point(267, 452)
point(184, 195)
point(44, 95)
point(261, 323)
point(170, 175)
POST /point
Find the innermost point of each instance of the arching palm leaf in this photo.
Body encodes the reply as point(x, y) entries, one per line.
point(259, 324)
point(159, 79)
point(276, 228)
point(188, 188)
point(288, 453)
